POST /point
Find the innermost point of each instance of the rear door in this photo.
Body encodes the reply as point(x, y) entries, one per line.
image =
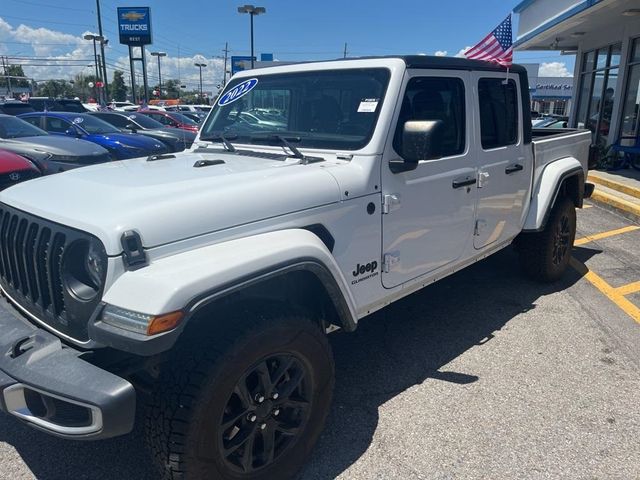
point(430, 216)
point(505, 167)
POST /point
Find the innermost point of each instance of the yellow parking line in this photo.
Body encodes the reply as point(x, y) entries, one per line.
point(629, 289)
point(611, 293)
point(610, 233)
point(587, 206)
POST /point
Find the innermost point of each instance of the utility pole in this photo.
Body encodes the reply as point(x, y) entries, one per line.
point(7, 76)
point(224, 72)
point(345, 50)
point(104, 61)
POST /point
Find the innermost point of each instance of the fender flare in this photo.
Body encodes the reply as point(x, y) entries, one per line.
point(547, 189)
point(190, 280)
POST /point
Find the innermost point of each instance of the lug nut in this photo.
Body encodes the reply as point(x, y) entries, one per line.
point(251, 417)
point(263, 426)
point(275, 396)
point(259, 398)
point(276, 412)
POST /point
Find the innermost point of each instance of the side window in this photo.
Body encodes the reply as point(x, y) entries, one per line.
point(498, 112)
point(162, 119)
point(35, 121)
point(56, 125)
point(437, 99)
point(115, 120)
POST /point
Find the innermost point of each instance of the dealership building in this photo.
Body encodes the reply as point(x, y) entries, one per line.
point(605, 37)
point(549, 95)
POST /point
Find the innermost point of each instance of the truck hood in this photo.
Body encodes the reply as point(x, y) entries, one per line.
point(169, 199)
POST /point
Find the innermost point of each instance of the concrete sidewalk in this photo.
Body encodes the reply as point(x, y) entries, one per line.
point(618, 190)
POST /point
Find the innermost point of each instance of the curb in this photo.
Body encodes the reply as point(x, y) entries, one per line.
point(620, 187)
point(617, 204)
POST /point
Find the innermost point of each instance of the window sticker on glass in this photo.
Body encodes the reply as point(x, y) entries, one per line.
point(238, 91)
point(78, 120)
point(368, 105)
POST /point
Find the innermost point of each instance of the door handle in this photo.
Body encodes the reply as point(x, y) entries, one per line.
point(516, 167)
point(463, 182)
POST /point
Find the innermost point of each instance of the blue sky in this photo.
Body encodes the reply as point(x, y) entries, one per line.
point(291, 30)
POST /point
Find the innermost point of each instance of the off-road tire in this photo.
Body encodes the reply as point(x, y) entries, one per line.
point(192, 396)
point(545, 255)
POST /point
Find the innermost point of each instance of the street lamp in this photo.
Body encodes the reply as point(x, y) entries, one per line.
point(159, 54)
point(100, 38)
point(200, 65)
point(252, 11)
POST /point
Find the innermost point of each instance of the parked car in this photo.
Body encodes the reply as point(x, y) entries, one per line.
point(206, 284)
point(50, 153)
point(119, 105)
point(172, 119)
point(197, 117)
point(175, 139)
point(15, 107)
point(41, 104)
point(87, 127)
point(15, 169)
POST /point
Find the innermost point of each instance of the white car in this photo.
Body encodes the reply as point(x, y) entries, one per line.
point(210, 278)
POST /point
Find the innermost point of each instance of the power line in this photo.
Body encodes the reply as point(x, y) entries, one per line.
point(57, 7)
point(43, 21)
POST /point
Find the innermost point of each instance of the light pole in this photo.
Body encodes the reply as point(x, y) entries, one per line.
point(252, 11)
point(200, 65)
point(94, 38)
point(159, 54)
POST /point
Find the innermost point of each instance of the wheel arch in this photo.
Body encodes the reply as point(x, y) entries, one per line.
point(564, 177)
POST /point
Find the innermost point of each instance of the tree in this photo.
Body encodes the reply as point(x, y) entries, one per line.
point(13, 71)
point(118, 88)
point(172, 87)
point(55, 88)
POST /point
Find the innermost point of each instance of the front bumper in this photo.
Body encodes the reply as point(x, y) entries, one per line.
point(49, 386)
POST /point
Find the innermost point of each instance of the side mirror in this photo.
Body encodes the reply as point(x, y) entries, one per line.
point(73, 132)
point(132, 127)
point(420, 141)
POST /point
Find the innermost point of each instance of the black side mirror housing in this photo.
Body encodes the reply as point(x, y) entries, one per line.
point(132, 127)
point(418, 143)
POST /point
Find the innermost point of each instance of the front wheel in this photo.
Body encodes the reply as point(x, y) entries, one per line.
point(545, 255)
point(248, 406)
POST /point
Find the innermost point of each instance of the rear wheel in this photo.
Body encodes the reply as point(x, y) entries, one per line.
point(545, 255)
point(248, 406)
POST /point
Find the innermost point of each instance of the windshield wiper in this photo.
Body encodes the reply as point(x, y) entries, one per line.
point(220, 137)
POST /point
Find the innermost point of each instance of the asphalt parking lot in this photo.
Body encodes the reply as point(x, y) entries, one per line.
point(484, 375)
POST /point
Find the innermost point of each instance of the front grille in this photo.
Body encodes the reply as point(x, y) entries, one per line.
point(9, 179)
point(31, 258)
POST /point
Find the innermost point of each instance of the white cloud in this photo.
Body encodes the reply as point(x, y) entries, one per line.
point(461, 52)
point(66, 48)
point(441, 53)
point(554, 69)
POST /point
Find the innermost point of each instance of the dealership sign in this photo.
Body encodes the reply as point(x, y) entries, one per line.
point(134, 25)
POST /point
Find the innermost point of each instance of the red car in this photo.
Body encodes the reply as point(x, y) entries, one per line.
point(15, 169)
point(172, 119)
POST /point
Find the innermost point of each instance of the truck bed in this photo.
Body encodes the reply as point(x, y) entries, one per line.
point(550, 144)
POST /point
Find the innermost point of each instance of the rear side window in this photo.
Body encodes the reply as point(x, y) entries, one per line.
point(57, 125)
point(498, 112)
point(440, 99)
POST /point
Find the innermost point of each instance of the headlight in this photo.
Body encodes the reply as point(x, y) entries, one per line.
point(84, 269)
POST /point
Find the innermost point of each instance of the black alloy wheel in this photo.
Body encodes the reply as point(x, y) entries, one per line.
point(267, 410)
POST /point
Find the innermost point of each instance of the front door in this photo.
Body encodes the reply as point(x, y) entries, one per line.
point(431, 209)
point(505, 167)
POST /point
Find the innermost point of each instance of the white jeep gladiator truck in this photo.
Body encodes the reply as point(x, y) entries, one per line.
point(202, 285)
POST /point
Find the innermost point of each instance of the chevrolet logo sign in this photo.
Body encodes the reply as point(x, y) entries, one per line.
point(133, 16)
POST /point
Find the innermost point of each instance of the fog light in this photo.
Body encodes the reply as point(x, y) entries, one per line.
point(140, 322)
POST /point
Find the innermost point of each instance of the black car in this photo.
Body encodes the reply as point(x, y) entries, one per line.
point(176, 139)
point(41, 104)
point(15, 107)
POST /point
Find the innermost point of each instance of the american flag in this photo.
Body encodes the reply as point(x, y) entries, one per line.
point(496, 47)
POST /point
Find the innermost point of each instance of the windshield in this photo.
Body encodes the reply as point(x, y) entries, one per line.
point(182, 118)
point(335, 110)
point(93, 125)
point(144, 121)
point(12, 127)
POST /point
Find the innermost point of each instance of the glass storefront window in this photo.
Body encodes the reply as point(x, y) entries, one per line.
point(589, 61)
point(602, 55)
point(607, 106)
point(635, 51)
point(585, 87)
point(631, 103)
point(616, 51)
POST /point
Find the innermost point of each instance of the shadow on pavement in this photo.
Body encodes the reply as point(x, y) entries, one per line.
point(401, 346)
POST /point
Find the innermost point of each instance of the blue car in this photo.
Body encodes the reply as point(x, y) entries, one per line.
point(87, 127)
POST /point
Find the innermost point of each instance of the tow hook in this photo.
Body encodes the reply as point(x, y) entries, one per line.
point(22, 346)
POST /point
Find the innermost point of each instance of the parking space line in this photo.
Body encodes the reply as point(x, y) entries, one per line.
point(607, 290)
point(629, 289)
point(610, 233)
point(587, 206)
